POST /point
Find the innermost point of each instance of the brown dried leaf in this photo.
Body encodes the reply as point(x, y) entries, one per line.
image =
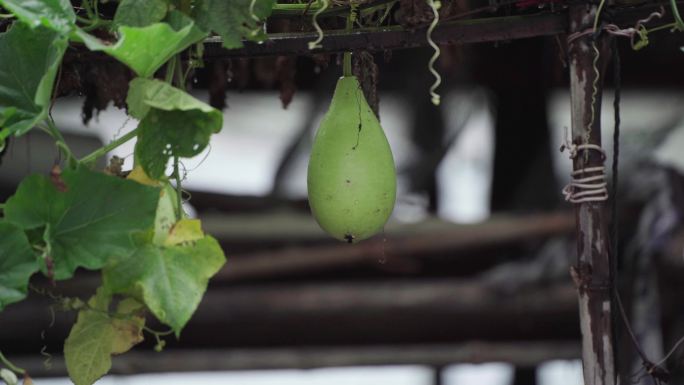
point(366, 71)
point(286, 69)
point(105, 81)
point(265, 71)
point(239, 72)
point(115, 167)
point(218, 84)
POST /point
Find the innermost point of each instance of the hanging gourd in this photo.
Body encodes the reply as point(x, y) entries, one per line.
point(351, 176)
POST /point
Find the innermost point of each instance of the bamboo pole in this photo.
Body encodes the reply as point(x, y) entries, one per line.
point(592, 274)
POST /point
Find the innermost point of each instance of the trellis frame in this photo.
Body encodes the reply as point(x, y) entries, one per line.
point(592, 274)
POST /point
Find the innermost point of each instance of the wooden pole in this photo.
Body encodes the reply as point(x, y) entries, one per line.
point(592, 274)
point(519, 353)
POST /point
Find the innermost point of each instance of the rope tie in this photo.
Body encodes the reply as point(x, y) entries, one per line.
point(638, 31)
point(587, 184)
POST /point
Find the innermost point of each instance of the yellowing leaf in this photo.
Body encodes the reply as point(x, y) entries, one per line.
point(139, 175)
point(169, 280)
point(96, 336)
point(88, 347)
point(166, 215)
point(185, 230)
point(128, 331)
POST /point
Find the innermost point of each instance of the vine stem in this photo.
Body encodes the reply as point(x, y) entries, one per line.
point(661, 27)
point(53, 131)
point(180, 83)
point(679, 23)
point(157, 333)
point(179, 189)
point(10, 365)
point(112, 145)
point(170, 70)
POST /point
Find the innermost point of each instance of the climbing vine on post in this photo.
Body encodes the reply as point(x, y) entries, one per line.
point(154, 260)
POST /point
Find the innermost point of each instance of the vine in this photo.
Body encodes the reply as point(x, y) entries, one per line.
point(56, 224)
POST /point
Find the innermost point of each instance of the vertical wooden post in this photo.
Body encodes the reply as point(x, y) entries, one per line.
point(592, 273)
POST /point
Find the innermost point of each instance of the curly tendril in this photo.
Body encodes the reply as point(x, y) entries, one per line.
point(597, 75)
point(435, 5)
point(317, 43)
point(254, 17)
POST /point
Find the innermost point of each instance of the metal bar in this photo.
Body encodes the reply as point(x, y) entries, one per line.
point(482, 30)
point(454, 32)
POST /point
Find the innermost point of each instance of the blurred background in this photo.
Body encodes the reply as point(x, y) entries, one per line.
point(469, 282)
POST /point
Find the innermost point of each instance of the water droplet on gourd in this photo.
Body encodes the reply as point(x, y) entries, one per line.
point(349, 211)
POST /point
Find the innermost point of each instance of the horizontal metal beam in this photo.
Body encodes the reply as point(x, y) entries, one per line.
point(389, 38)
point(489, 29)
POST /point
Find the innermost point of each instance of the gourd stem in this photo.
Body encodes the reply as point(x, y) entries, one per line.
point(347, 65)
point(346, 59)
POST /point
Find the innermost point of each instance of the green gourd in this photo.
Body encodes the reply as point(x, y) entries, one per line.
point(351, 180)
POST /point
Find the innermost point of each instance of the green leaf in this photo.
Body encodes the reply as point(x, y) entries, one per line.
point(169, 280)
point(173, 123)
point(144, 94)
point(29, 60)
point(164, 134)
point(136, 13)
point(146, 49)
point(96, 336)
point(232, 20)
point(93, 220)
point(17, 264)
point(57, 15)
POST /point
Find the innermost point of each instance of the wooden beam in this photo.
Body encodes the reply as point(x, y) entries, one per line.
point(340, 313)
point(525, 354)
point(399, 242)
point(593, 271)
